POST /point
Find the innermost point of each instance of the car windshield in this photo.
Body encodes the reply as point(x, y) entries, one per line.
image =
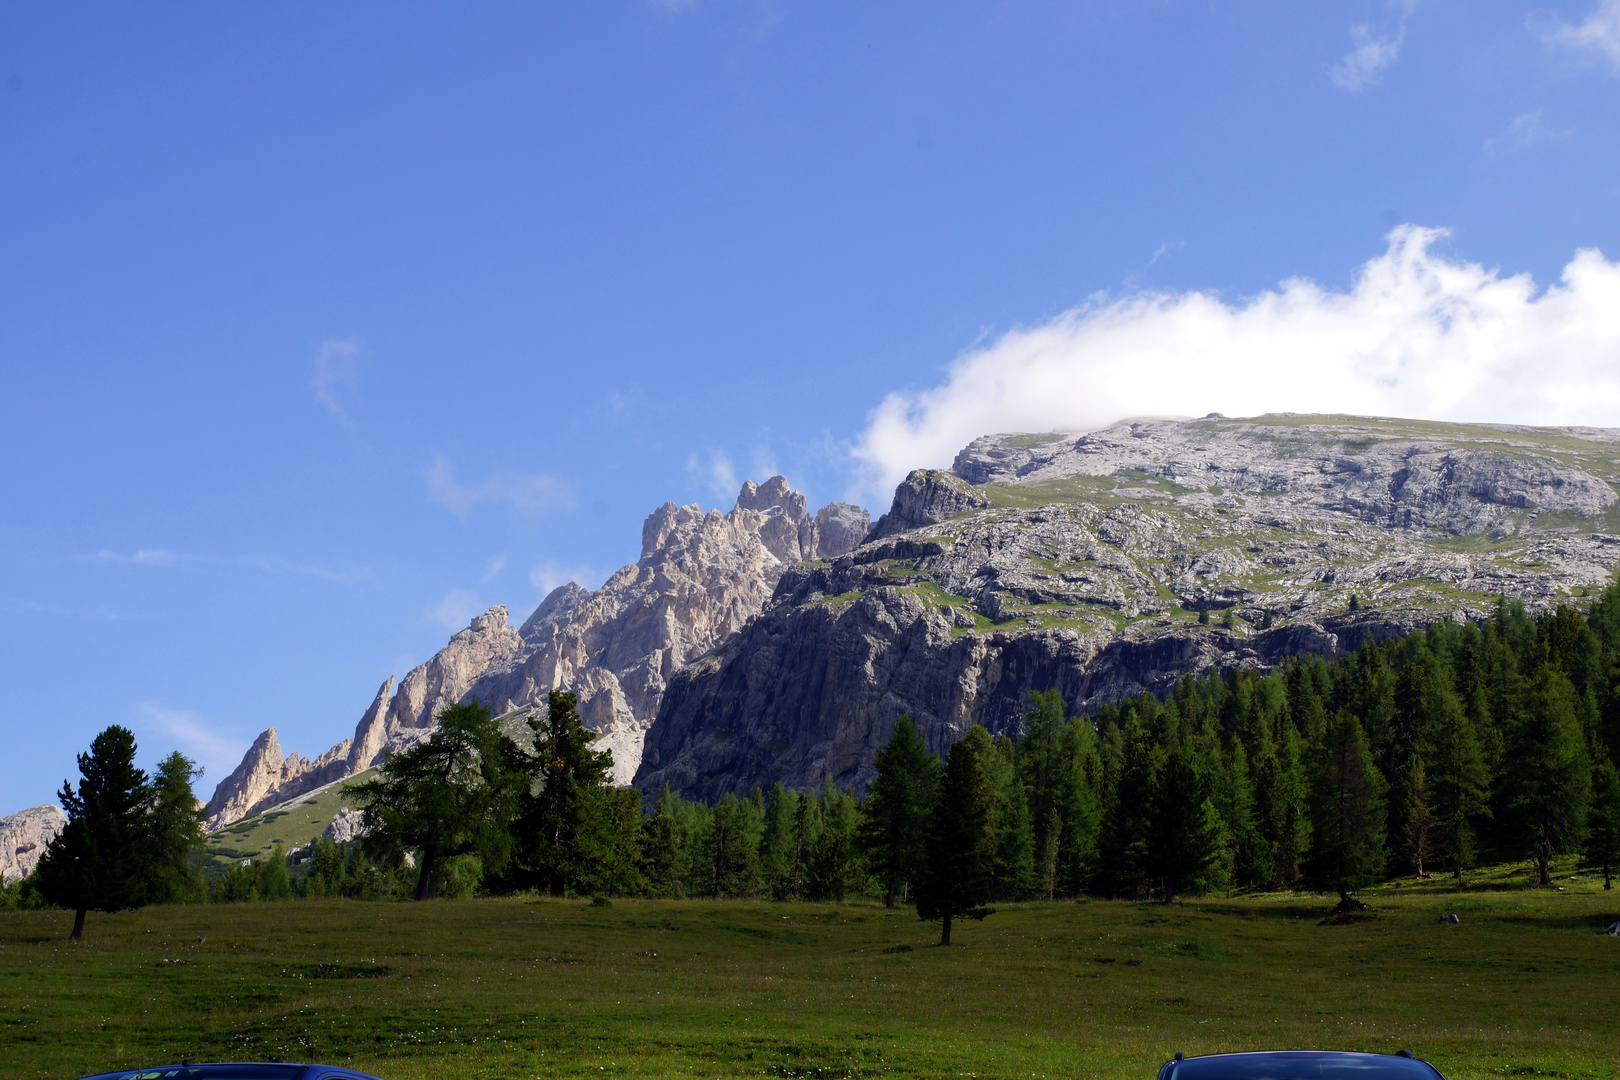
point(1299, 1066)
point(206, 1072)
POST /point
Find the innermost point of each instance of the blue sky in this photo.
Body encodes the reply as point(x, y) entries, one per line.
point(322, 327)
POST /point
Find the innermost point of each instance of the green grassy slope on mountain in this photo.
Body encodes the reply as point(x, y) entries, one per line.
point(1525, 986)
point(293, 824)
point(300, 820)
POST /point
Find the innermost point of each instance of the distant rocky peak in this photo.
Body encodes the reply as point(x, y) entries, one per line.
point(773, 494)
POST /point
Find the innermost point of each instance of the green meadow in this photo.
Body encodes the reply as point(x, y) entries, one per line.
point(1527, 985)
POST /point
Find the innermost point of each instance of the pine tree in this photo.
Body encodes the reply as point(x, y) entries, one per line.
point(101, 861)
point(730, 853)
point(175, 826)
point(835, 868)
point(1457, 778)
point(1279, 803)
point(558, 826)
point(1549, 781)
point(1186, 838)
point(894, 820)
point(1603, 822)
point(453, 794)
point(776, 842)
point(1415, 813)
point(961, 852)
point(1347, 811)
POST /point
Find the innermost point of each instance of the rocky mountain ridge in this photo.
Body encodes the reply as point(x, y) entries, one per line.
point(1083, 563)
point(24, 837)
point(701, 576)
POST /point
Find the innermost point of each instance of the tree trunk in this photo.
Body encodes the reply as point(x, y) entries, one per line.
point(1457, 865)
point(1542, 875)
point(1606, 877)
point(888, 897)
point(78, 925)
point(945, 938)
point(424, 876)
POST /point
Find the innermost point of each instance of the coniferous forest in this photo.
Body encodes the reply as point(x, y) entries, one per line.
point(1420, 755)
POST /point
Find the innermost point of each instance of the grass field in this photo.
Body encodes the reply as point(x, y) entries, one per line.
point(1527, 985)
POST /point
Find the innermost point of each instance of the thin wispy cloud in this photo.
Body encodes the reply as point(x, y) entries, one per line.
point(527, 493)
point(1417, 334)
point(1525, 130)
point(1597, 38)
point(336, 376)
point(716, 472)
point(201, 740)
point(1366, 62)
point(266, 564)
point(13, 605)
point(493, 569)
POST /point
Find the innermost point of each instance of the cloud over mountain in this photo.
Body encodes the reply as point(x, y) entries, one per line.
point(1418, 334)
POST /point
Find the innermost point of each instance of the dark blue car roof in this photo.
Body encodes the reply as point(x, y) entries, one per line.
point(233, 1070)
point(1299, 1065)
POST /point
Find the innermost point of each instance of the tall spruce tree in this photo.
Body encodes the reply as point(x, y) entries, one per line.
point(958, 877)
point(1347, 812)
point(559, 826)
point(175, 828)
point(453, 794)
point(101, 860)
point(894, 819)
point(1549, 780)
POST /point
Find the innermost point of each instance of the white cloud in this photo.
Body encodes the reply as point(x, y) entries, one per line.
point(547, 576)
point(336, 377)
point(1526, 130)
point(456, 610)
point(493, 569)
point(196, 737)
point(1598, 36)
point(1364, 65)
point(716, 472)
point(528, 493)
point(1417, 335)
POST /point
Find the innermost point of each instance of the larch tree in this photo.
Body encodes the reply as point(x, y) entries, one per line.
point(453, 794)
point(894, 820)
point(959, 873)
point(1347, 812)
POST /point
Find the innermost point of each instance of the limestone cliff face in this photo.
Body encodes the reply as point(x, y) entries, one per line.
point(1080, 564)
point(701, 576)
point(24, 836)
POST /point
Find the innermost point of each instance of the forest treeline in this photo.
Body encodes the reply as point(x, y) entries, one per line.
point(1488, 741)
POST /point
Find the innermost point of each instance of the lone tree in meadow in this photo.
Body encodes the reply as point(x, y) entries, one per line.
point(894, 820)
point(101, 861)
point(454, 794)
point(958, 874)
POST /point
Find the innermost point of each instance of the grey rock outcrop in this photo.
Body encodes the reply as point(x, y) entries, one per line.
point(701, 576)
point(346, 825)
point(1080, 563)
point(24, 836)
